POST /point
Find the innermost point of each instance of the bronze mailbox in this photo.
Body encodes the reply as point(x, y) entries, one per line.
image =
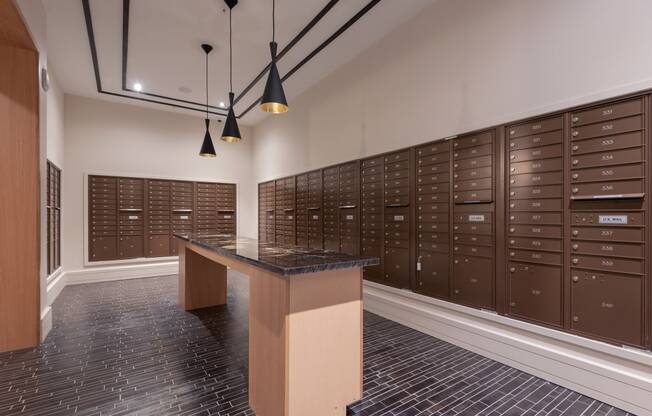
point(432, 189)
point(473, 163)
point(608, 173)
point(473, 239)
point(536, 140)
point(427, 208)
point(435, 227)
point(608, 306)
point(608, 248)
point(536, 243)
point(539, 257)
point(536, 179)
point(473, 140)
point(536, 205)
point(536, 218)
point(433, 217)
point(545, 152)
point(634, 188)
point(433, 198)
point(473, 196)
point(473, 152)
point(397, 266)
point(536, 127)
point(537, 231)
point(438, 147)
point(536, 165)
point(395, 157)
point(610, 264)
point(427, 179)
point(438, 168)
point(607, 112)
point(397, 183)
point(610, 143)
point(532, 192)
point(433, 159)
point(395, 166)
point(484, 183)
point(468, 174)
point(473, 228)
point(616, 157)
point(432, 246)
point(482, 251)
point(611, 127)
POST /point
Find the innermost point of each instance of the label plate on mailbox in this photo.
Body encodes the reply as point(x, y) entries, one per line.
point(476, 218)
point(399, 217)
point(612, 219)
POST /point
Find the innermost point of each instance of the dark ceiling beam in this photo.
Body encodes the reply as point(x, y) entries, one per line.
point(323, 45)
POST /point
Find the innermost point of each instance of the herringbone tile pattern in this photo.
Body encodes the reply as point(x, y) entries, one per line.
point(126, 348)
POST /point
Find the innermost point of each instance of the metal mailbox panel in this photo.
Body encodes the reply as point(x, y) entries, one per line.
point(473, 163)
point(473, 140)
point(608, 112)
point(397, 183)
point(397, 201)
point(468, 174)
point(130, 247)
point(481, 251)
point(536, 205)
point(433, 276)
point(372, 170)
point(532, 192)
point(103, 248)
point(432, 188)
point(537, 165)
point(399, 174)
point(432, 246)
point(473, 239)
point(397, 243)
point(397, 266)
point(536, 179)
point(536, 140)
point(473, 218)
point(439, 178)
point(536, 256)
point(536, 218)
point(544, 152)
point(437, 147)
point(608, 306)
point(603, 144)
point(433, 217)
point(536, 243)
point(608, 264)
point(430, 169)
point(473, 196)
point(616, 157)
point(396, 191)
point(433, 159)
point(433, 227)
point(396, 166)
point(428, 208)
point(537, 231)
point(633, 188)
point(377, 161)
point(536, 127)
point(395, 157)
point(535, 292)
point(602, 174)
point(485, 229)
point(434, 198)
point(397, 235)
point(484, 183)
point(473, 281)
point(159, 245)
point(473, 152)
point(606, 248)
point(433, 237)
point(622, 125)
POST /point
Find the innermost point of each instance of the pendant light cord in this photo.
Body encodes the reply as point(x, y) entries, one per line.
point(273, 20)
point(206, 85)
point(230, 52)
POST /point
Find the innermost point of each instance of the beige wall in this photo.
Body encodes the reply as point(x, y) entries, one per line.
point(458, 66)
point(121, 139)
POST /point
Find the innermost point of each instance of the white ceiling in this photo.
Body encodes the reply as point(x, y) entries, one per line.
point(165, 38)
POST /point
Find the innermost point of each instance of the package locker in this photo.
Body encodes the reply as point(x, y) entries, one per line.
point(433, 200)
point(473, 158)
point(103, 218)
point(371, 229)
point(158, 218)
point(315, 210)
point(397, 218)
point(331, 192)
point(349, 208)
point(609, 247)
point(302, 204)
point(535, 220)
point(285, 211)
point(226, 212)
point(182, 196)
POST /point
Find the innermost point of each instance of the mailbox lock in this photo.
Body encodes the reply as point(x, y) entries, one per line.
point(512, 205)
point(512, 157)
point(575, 190)
point(576, 260)
point(512, 241)
point(512, 144)
point(576, 133)
point(575, 161)
point(576, 175)
point(575, 147)
point(512, 304)
point(512, 181)
point(575, 246)
point(512, 269)
point(575, 119)
point(512, 193)
point(511, 253)
point(576, 232)
point(576, 318)
point(456, 238)
point(457, 291)
point(511, 230)
point(456, 261)
point(576, 279)
point(511, 217)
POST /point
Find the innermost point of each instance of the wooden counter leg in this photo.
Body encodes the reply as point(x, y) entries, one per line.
point(202, 282)
point(305, 343)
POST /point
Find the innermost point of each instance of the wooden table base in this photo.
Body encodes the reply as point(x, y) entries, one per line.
point(305, 332)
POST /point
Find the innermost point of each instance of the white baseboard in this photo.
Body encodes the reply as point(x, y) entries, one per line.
point(122, 272)
point(614, 375)
point(46, 322)
point(56, 283)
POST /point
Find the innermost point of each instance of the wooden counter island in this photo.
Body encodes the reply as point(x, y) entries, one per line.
point(305, 319)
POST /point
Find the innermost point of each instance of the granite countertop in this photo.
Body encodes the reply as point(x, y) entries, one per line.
point(280, 259)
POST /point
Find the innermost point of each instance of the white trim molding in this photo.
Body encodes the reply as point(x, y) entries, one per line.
point(123, 272)
point(618, 376)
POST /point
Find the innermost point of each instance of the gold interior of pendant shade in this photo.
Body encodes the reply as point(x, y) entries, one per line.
point(231, 139)
point(276, 108)
point(207, 154)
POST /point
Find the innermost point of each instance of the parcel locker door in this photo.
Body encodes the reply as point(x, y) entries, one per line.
point(397, 267)
point(433, 277)
point(535, 292)
point(608, 306)
point(473, 281)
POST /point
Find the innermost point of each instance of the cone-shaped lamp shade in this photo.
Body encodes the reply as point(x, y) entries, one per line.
point(207, 148)
point(231, 132)
point(273, 100)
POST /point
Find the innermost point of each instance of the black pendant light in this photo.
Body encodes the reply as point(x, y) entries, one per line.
point(273, 100)
point(231, 132)
point(207, 148)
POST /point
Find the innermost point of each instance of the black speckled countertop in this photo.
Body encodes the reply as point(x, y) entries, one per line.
point(283, 260)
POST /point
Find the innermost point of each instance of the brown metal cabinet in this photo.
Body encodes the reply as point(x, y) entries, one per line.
point(182, 196)
point(158, 218)
point(473, 245)
point(331, 191)
point(226, 208)
point(397, 218)
point(433, 218)
point(608, 243)
point(371, 183)
point(535, 220)
point(349, 208)
point(302, 205)
point(206, 207)
point(315, 210)
point(285, 211)
point(103, 218)
point(131, 203)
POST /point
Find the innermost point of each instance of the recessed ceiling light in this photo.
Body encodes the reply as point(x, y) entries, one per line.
point(221, 103)
point(138, 87)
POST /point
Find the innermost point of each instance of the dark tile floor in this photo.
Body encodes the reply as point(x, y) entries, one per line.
point(125, 348)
